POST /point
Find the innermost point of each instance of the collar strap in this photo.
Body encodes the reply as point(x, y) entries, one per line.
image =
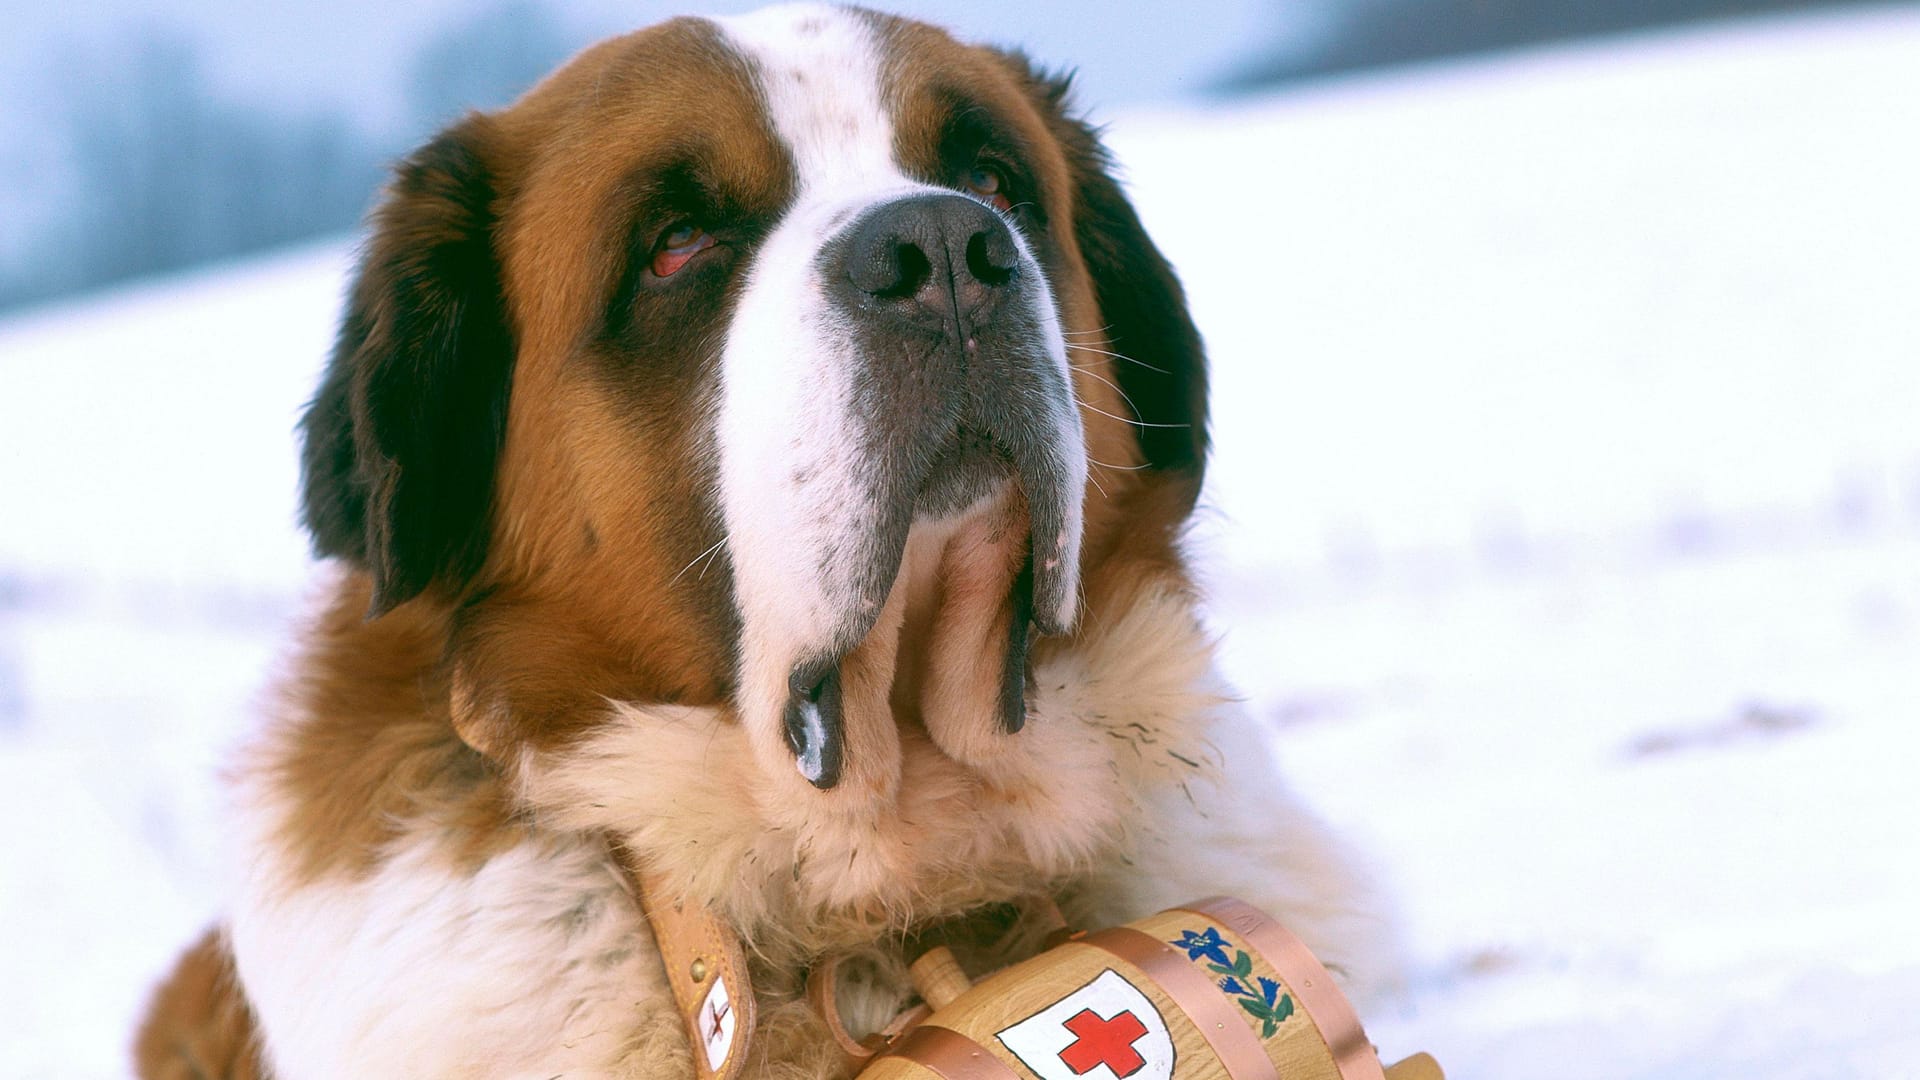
point(706, 969)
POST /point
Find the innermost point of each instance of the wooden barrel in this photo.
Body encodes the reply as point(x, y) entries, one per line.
point(1215, 990)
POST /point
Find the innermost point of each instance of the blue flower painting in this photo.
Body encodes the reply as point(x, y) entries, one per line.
point(1259, 996)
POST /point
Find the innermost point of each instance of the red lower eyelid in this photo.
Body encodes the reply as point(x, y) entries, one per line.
point(668, 262)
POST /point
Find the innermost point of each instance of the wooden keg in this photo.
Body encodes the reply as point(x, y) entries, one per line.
point(1215, 990)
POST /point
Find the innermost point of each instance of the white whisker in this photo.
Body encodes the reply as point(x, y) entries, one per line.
point(1110, 382)
point(1117, 356)
point(1124, 420)
point(707, 555)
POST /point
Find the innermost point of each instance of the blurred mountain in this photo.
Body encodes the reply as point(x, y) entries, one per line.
point(1356, 34)
point(137, 138)
point(142, 136)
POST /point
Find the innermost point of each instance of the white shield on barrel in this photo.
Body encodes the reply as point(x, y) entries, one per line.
point(1106, 1030)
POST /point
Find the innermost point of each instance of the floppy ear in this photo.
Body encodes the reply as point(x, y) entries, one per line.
point(402, 438)
point(1164, 374)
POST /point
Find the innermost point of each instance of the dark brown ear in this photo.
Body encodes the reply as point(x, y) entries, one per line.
point(1164, 372)
point(402, 438)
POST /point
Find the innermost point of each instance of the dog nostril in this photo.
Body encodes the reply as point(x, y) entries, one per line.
point(914, 269)
point(991, 258)
point(891, 269)
point(930, 260)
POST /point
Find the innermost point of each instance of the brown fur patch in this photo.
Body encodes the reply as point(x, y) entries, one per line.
point(561, 624)
point(198, 1025)
point(366, 743)
point(598, 506)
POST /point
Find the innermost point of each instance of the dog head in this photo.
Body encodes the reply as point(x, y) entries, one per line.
point(807, 364)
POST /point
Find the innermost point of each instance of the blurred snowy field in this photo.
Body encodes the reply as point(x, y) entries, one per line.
point(1564, 525)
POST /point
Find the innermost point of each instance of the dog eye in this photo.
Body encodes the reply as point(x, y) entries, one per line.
point(678, 246)
point(987, 182)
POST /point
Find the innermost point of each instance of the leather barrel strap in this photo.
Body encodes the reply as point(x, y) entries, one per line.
point(1320, 997)
point(706, 969)
point(822, 995)
point(1232, 1041)
point(950, 1055)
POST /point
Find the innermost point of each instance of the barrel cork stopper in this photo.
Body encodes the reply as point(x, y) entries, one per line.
point(1417, 1067)
point(938, 977)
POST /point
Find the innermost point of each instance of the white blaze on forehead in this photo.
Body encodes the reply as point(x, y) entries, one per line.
point(797, 490)
point(790, 446)
point(820, 68)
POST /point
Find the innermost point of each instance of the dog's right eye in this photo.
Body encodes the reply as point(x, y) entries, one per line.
point(988, 183)
point(678, 246)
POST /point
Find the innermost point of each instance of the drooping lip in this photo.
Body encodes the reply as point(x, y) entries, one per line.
point(1040, 474)
point(1054, 522)
point(1042, 591)
point(814, 722)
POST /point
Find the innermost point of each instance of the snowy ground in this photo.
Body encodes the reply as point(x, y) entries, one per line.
point(1566, 529)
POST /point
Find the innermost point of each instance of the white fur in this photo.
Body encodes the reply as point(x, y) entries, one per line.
point(534, 965)
point(820, 70)
point(1240, 831)
point(787, 436)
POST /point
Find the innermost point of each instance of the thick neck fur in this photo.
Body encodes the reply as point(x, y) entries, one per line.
point(1118, 716)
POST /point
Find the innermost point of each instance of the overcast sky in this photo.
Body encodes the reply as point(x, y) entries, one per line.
point(353, 60)
point(355, 51)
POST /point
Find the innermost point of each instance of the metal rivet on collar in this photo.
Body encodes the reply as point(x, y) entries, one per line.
point(698, 970)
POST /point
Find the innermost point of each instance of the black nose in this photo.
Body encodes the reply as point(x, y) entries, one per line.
point(942, 260)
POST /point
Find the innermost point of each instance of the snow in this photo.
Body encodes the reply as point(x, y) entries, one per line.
point(1564, 526)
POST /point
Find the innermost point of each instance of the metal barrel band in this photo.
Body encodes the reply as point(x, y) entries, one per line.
point(1232, 1041)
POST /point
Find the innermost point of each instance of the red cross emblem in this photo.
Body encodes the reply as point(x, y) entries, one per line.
point(1098, 1042)
point(1105, 1030)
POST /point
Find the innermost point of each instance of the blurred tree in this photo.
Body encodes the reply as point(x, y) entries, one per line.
point(485, 62)
point(161, 172)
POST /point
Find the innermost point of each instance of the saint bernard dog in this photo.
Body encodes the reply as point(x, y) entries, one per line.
point(758, 455)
